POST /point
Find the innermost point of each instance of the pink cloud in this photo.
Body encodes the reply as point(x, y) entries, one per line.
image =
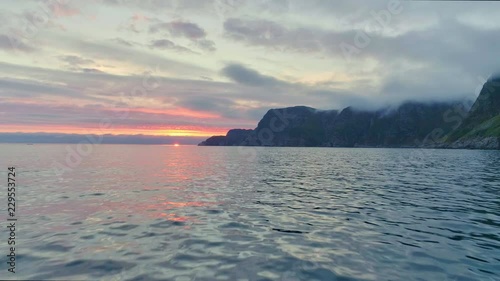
point(62, 10)
point(139, 17)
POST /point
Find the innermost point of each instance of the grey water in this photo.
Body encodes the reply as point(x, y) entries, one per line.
point(132, 212)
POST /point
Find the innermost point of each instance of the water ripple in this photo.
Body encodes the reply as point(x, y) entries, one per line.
point(191, 213)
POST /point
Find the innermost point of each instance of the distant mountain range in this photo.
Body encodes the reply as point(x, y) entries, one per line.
point(412, 124)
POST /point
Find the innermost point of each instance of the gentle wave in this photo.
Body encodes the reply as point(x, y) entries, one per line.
point(200, 213)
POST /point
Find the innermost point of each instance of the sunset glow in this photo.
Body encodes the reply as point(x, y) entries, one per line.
point(152, 131)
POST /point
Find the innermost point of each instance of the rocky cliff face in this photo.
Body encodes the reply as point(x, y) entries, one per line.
point(481, 126)
point(406, 126)
point(414, 124)
point(292, 126)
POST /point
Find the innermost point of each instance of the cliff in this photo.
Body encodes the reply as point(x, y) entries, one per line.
point(300, 126)
point(481, 126)
point(410, 125)
point(292, 126)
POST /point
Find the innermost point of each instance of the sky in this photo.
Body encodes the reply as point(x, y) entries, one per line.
point(189, 68)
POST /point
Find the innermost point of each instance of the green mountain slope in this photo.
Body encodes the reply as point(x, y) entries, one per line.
point(481, 127)
point(483, 118)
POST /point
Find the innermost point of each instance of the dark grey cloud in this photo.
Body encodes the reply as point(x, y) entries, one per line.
point(180, 29)
point(91, 70)
point(184, 29)
point(226, 107)
point(207, 45)
point(247, 76)
point(123, 42)
point(165, 44)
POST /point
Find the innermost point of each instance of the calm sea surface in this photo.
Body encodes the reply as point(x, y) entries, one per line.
point(210, 213)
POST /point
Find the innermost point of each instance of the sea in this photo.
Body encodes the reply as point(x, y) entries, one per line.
point(152, 212)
